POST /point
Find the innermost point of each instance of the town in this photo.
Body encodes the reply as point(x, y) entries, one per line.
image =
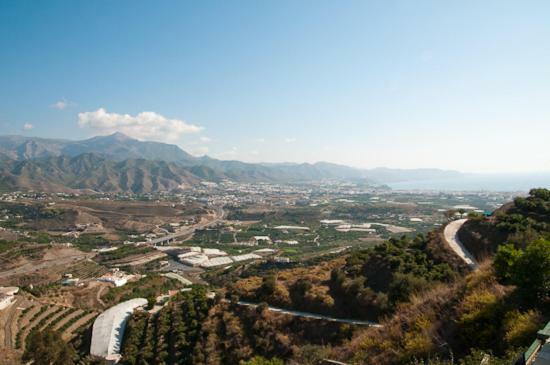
point(76, 254)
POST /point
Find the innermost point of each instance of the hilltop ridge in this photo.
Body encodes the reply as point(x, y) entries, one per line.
point(119, 163)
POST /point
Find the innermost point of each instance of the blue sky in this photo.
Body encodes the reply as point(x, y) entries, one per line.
point(462, 85)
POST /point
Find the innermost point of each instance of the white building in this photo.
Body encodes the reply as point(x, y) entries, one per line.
point(331, 222)
point(265, 251)
point(184, 255)
point(261, 239)
point(118, 278)
point(216, 261)
point(117, 281)
point(7, 296)
point(249, 256)
point(6, 301)
point(195, 260)
point(292, 228)
point(9, 290)
point(213, 252)
point(108, 329)
point(281, 259)
point(288, 242)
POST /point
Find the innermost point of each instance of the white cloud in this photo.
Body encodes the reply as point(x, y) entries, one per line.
point(290, 140)
point(145, 125)
point(205, 139)
point(62, 104)
point(28, 126)
point(261, 140)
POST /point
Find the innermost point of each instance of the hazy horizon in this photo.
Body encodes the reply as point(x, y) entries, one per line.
point(534, 176)
point(460, 87)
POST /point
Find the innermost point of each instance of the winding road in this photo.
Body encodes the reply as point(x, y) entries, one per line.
point(186, 233)
point(451, 237)
point(296, 313)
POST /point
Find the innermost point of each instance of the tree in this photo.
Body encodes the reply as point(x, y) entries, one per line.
point(259, 360)
point(403, 285)
point(505, 260)
point(48, 348)
point(269, 284)
point(151, 301)
point(532, 270)
point(529, 269)
point(298, 291)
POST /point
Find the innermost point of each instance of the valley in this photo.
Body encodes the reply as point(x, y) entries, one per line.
point(274, 182)
point(337, 256)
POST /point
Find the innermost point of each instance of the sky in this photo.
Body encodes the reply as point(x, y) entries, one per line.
point(459, 85)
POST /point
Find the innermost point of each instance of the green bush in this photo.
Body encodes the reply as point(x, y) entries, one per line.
point(48, 348)
point(259, 360)
point(529, 269)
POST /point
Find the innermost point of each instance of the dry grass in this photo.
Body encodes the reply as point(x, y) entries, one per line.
point(318, 275)
point(424, 326)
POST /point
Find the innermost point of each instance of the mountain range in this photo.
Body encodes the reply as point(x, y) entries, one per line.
point(118, 163)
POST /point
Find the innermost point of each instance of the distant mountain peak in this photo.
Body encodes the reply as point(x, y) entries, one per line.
point(116, 146)
point(118, 136)
point(117, 152)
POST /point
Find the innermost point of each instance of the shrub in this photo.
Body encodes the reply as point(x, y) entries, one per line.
point(529, 269)
point(47, 347)
point(480, 319)
point(259, 360)
point(520, 328)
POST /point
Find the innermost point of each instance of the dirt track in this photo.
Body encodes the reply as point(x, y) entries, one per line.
point(8, 318)
point(34, 266)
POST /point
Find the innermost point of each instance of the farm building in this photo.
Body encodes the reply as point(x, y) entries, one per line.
point(195, 260)
point(116, 278)
point(292, 228)
point(248, 256)
point(7, 296)
point(108, 329)
point(261, 239)
point(216, 261)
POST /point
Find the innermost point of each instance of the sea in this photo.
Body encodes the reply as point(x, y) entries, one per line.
point(480, 182)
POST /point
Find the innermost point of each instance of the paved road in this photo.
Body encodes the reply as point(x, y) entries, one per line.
point(312, 315)
point(451, 236)
point(187, 233)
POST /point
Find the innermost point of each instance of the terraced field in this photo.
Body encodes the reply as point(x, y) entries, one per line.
point(87, 269)
point(33, 315)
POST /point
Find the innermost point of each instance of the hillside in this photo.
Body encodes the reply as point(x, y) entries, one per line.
point(519, 222)
point(53, 165)
point(90, 172)
point(430, 306)
point(116, 147)
point(495, 310)
point(94, 172)
point(367, 284)
point(281, 172)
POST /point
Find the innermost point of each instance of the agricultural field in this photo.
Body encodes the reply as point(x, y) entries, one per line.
point(147, 287)
point(37, 264)
point(28, 314)
point(112, 219)
point(313, 251)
